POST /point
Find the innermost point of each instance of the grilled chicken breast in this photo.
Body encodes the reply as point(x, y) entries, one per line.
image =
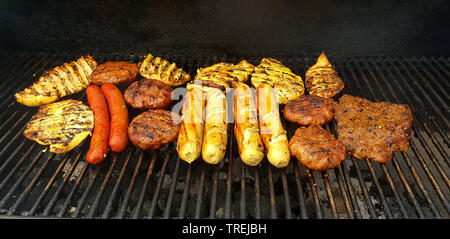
point(287, 85)
point(156, 68)
point(62, 125)
point(64, 80)
point(224, 75)
point(373, 130)
point(322, 80)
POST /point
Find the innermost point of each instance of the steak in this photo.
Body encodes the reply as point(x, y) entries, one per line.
point(373, 130)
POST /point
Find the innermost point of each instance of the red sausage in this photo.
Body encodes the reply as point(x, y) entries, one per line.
point(118, 136)
point(99, 140)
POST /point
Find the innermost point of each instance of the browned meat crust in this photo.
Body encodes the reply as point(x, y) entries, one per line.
point(153, 129)
point(148, 94)
point(309, 110)
point(316, 148)
point(115, 72)
point(373, 130)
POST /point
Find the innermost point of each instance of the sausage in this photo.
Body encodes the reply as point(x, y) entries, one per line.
point(118, 136)
point(190, 137)
point(246, 127)
point(215, 131)
point(272, 132)
point(99, 141)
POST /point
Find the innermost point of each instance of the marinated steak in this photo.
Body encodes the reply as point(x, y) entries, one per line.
point(309, 110)
point(148, 94)
point(153, 129)
point(316, 148)
point(115, 72)
point(373, 130)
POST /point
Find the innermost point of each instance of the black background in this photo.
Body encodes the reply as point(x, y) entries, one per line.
point(366, 27)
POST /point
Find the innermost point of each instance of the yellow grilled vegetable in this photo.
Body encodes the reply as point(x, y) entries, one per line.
point(246, 127)
point(62, 125)
point(287, 85)
point(190, 136)
point(158, 69)
point(272, 132)
point(215, 131)
point(64, 80)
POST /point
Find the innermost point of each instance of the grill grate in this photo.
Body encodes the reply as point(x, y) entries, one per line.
point(156, 184)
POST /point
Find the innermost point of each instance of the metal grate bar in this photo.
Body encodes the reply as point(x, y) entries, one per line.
point(145, 186)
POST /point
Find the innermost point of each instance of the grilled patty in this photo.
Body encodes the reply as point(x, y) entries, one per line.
point(115, 72)
point(316, 148)
point(156, 68)
point(63, 80)
point(373, 130)
point(309, 110)
point(224, 74)
point(287, 85)
point(322, 80)
point(62, 125)
point(148, 94)
point(153, 129)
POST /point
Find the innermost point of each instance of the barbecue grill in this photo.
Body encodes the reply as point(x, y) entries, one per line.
point(157, 184)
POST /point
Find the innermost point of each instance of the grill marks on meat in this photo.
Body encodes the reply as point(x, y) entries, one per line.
point(322, 80)
point(153, 129)
point(156, 68)
point(224, 74)
point(64, 80)
point(373, 130)
point(115, 72)
point(316, 148)
point(62, 125)
point(287, 85)
point(309, 110)
point(148, 94)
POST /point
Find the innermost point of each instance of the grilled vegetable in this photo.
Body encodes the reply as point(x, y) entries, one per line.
point(215, 132)
point(246, 129)
point(322, 80)
point(287, 85)
point(99, 140)
point(64, 80)
point(118, 136)
point(62, 125)
point(224, 74)
point(272, 132)
point(158, 69)
point(190, 136)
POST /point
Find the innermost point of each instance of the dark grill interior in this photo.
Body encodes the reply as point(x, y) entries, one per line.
point(138, 184)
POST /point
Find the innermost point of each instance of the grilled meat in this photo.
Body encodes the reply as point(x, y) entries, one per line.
point(316, 148)
point(115, 72)
point(153, 129)
point(156, 68)
point(322, 80)
point(287, 85)
point(62, 125)
point(67, 79)
point(309, 110)
point(373, 130)
point(224, 74)
point(148, 94)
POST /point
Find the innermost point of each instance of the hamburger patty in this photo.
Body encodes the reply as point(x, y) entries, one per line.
point(115, 72)
point(153, 129)
point(148, 94)
point(309, 110)
point(373, 130)
point(316, 148)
